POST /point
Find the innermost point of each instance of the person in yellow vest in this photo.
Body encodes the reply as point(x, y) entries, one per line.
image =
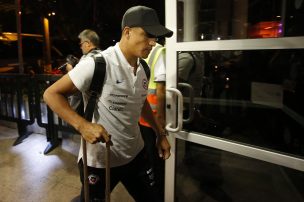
point(156, 98)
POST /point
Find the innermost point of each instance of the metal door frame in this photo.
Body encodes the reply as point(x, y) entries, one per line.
point(173, 47)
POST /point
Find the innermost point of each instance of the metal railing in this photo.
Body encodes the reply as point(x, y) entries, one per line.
point(21, 102)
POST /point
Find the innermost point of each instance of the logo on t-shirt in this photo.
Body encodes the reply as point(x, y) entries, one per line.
point(119, 81)
point(145, 84)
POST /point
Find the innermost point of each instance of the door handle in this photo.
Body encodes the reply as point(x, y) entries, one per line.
point(191, 108)
point(179, 111)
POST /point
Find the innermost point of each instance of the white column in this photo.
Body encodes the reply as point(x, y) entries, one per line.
point(190, 20)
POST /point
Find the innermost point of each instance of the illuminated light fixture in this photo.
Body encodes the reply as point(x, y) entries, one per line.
point(266, 29)
point(9, 36)
point(53, 13)
point(278, 16)
point(218, 38)
point(202, 36)
point(19, 12)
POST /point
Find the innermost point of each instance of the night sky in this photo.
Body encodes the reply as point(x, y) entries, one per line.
point(72, 16)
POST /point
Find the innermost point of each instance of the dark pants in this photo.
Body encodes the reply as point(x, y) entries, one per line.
point(137, 177)
point(158, 165)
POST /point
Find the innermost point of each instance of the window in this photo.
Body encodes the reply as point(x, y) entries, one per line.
point(228, 19)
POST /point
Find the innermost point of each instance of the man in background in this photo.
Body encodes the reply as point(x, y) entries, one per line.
point(156, 98)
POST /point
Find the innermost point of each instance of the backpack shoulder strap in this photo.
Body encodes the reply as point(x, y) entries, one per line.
point(98, 75)
point(96, 86)
point(146, 68)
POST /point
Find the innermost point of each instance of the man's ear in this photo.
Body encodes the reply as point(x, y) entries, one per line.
point(126, 32)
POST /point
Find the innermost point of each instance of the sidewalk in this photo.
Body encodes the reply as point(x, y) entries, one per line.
point(27, 175)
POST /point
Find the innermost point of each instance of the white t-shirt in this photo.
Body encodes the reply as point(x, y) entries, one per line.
point(160, 68)
point(118, 109)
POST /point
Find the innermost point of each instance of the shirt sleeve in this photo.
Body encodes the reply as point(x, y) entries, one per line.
point(160, 68)
point(81, 75)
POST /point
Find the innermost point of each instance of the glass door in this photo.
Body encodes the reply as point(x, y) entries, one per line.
point(237, 127)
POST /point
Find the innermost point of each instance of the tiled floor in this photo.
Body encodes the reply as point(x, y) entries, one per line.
point(27, 175)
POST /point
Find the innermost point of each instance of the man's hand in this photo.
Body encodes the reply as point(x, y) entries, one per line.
point(163, 147)
point(94, 133)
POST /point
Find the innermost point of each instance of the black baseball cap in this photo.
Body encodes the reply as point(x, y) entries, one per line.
point(146, 18)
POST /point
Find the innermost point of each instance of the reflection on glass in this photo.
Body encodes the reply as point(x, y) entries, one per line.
point(227, 19)
point(206, 174)
point(253, 97)
point(190, 70)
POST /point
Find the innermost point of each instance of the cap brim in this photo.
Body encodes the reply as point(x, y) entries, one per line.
point(158, 31)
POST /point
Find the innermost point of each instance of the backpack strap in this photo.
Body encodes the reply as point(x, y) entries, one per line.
point(146, 68)
point(94, 93)
point(96, 86)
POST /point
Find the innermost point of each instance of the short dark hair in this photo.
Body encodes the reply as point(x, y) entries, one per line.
point(89, 35)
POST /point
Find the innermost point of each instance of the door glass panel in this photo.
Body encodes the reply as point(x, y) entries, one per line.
point(227, 19)
point(252, 96)
point(207, 174)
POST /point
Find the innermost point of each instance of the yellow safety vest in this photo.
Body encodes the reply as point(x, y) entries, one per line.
point(152, 98)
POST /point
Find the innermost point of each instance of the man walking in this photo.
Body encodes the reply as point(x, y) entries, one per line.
point(122, 102)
